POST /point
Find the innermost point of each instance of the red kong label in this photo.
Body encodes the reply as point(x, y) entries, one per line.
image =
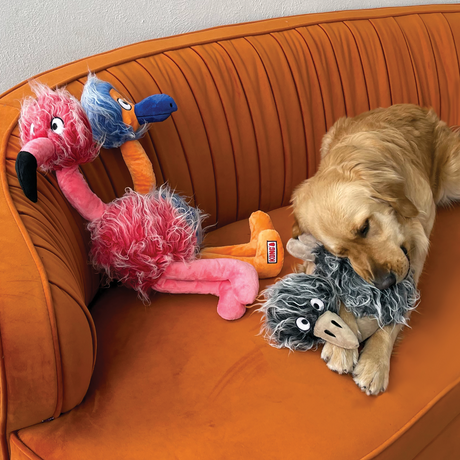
point(272, 252)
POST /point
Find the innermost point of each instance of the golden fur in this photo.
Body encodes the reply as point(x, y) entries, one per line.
point(373, 200)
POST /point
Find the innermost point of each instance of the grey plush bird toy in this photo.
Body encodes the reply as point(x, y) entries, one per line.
point(301, 311)
point(295, 297)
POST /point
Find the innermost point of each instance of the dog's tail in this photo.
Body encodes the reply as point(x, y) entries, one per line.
point(446, 172)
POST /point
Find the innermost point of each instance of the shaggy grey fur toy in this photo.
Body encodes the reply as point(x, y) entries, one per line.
point(362, 298)
point(295, 303)
point(292, 307)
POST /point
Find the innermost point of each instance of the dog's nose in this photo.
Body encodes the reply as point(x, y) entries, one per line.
point(385, 280)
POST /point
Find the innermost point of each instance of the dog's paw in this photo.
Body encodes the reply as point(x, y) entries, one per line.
point(339, 359)
point(372, 373)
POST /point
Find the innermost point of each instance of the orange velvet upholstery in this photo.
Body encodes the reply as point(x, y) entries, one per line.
point(172, 380)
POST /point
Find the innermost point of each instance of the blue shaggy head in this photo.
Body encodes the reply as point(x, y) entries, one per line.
point(105, 115)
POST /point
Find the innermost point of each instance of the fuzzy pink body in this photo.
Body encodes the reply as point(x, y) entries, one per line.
point(137, 237)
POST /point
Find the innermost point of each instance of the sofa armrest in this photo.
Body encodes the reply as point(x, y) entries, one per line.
point(47, 335)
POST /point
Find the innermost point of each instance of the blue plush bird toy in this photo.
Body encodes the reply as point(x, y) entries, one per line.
point(118, 122)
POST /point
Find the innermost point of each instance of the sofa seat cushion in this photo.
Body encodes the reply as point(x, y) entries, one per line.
point(175, 381)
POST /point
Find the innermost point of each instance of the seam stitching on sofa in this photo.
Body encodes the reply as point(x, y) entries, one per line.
point(45, 287)
point(424, 449)
point(413, 420)
point(385, 59)
point(283, 51)
point(41, 274)
point(361, 62)
point(4, 402)
point(338, 70)
point(76, 300)
point(278, 117)
point(251, 115)
point(453, 40)
point(436, 65)
point(417, 83)
point(228, 126)
point(323, 105)
point(80, 303)
point(23, 447)
point(204, 128)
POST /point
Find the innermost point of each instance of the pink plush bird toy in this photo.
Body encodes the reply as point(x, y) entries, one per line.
point(145, 241)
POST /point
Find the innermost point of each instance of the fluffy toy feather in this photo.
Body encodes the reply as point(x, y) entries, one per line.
point(362, 298)
point(292, 302)
point(105, 115)
point(46, 116)
point(138, 236)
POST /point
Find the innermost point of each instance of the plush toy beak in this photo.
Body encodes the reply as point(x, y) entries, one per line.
point(331, 328)
point(154, 108)
point(27, 162)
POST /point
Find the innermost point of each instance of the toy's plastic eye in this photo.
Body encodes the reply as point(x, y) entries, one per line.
point(303, 324)
point(124, 104)
point(32, 129)
point(57, 125)
point(317, 304)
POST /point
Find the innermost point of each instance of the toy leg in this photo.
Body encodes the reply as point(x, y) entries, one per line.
point(268, 259)
point(228, 307)
point(258, 222)
point(234, 282)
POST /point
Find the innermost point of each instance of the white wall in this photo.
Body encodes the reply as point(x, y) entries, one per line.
point(37, 35)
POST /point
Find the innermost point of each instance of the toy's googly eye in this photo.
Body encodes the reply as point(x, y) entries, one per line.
point(57, 125)
point(303, 324)
point(32, 129)
point(125, 105)
point(317, 304)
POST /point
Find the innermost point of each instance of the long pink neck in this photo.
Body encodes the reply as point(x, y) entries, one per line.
point(79, 195)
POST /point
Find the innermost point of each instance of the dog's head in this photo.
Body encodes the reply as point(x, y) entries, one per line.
point(361, 213)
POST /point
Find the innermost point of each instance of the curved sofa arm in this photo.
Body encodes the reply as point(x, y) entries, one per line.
point(47, 336)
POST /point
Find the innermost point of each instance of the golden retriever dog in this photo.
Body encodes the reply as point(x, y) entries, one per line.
point(373, 200)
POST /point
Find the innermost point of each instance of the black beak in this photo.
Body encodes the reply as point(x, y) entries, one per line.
point(26, 170)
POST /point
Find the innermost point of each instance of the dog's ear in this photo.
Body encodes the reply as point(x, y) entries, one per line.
point(390, 189)
point(298, 200)
point(295, 228)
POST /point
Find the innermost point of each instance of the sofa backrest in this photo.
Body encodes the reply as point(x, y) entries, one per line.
point(255, 99)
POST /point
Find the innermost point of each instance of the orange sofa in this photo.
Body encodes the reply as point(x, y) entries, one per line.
point(90, 373)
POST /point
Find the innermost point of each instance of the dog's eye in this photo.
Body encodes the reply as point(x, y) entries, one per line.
point(364, 229)
point(303, 324)
point(317, 304)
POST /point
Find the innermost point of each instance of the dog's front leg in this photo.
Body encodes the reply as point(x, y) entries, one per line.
point(372, 372)
point(339, 359)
